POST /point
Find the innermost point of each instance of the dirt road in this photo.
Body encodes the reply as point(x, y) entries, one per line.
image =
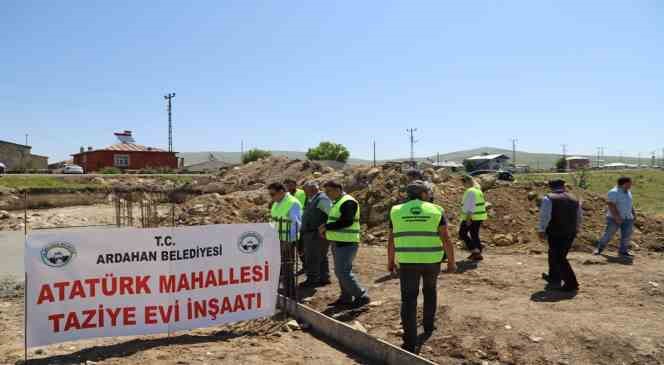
point(498, 313)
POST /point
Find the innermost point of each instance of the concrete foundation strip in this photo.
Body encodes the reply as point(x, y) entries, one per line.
point(363, 344)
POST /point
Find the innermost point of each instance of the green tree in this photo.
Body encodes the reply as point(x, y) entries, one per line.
point(255, 154)
point(561, 164)
point(469, 165)
point(329, 151)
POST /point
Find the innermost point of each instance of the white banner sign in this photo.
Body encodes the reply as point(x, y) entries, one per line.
point(119, 282)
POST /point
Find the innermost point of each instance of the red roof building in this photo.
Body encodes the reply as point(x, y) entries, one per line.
point(126, 155)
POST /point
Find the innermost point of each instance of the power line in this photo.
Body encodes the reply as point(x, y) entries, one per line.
point(169, 98)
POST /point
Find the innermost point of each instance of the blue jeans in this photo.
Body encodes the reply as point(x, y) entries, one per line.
point(626, 230)
point(343, 269)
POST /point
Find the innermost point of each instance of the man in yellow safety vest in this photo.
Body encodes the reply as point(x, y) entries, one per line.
point(301, 196)
point(342, 230)
point(285, 213)
point(473, 213)
point(417, 241)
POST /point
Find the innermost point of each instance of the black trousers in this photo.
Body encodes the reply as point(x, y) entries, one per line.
point(560, 269)
point(470, 234)
point(410, 275)
point(316, 263)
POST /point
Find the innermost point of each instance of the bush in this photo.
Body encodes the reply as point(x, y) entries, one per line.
point(561, 164)
point(328, 151)
point(110, 171)
point(254, 155)
point(469, 165)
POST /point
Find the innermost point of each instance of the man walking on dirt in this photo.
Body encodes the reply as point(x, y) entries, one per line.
point(417, 241)
point(343, 231)
point(619, 216)
point(560, 220)
point(315, 247)
point(473, 213)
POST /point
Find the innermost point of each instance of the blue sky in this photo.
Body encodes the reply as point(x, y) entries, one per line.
point(286, 75)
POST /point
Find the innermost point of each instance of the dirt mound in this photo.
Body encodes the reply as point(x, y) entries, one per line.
point(239, 196)
point(258, 174)
point(238, 207)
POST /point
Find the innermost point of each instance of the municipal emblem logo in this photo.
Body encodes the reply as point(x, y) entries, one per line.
point(250, 242)
point(416, 210)
point(58, 254)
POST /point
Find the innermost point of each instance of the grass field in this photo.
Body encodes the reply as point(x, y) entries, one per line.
point(37, 182)
point(69, 182)
point(648, 188)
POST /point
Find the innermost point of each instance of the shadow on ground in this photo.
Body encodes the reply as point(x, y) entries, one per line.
point(552, 296)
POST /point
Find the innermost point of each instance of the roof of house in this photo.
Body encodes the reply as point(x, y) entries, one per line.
point(447, 164)
point(577, 158)
point(15, 144)
point(489, 157)
point(126, 147)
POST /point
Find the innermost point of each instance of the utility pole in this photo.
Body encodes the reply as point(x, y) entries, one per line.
point(599, 152)
point(438, 157)
point(412, 144)
point(169, 98)
point(241, 149)
point(564, 150)
point(514, 141)
point(639, 161)
point(374, 153)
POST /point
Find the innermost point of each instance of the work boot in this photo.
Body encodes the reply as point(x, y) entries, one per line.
point(341, 302)
point(361, 302)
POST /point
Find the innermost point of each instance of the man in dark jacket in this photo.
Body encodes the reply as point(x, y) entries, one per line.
point(560, 220)
point(315, 247)
point(343, 231)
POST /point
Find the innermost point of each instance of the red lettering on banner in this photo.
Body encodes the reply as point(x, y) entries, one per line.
point(142, 286)
point(129, 316)
point(150, 312)
point(89, 288)
point(92, 283)
point(55, 319)
point(45, 294)
point(245, 274)
point(77, 290)
point(89, 315)
point(126, 285)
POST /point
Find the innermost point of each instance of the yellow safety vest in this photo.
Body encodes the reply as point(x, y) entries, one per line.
point(348, 234)
point(279, 216)
point(415, 230)
point(480, 205)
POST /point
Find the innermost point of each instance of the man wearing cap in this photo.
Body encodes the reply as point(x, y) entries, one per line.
point(473, 213)
point(315, 247)
point(417, 241)
point(416, 175)
point(560, 220)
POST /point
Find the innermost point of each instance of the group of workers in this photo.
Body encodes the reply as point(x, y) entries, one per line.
point(418, 238)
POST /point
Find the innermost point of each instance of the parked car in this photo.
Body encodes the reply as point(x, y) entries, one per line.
point(2, 168)
point(73, 169)
point(500, 175)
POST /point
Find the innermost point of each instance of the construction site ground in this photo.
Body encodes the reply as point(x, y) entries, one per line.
point(497, 312)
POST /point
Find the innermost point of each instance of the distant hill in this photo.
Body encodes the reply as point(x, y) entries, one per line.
point(191, 158)
point(534, 160)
